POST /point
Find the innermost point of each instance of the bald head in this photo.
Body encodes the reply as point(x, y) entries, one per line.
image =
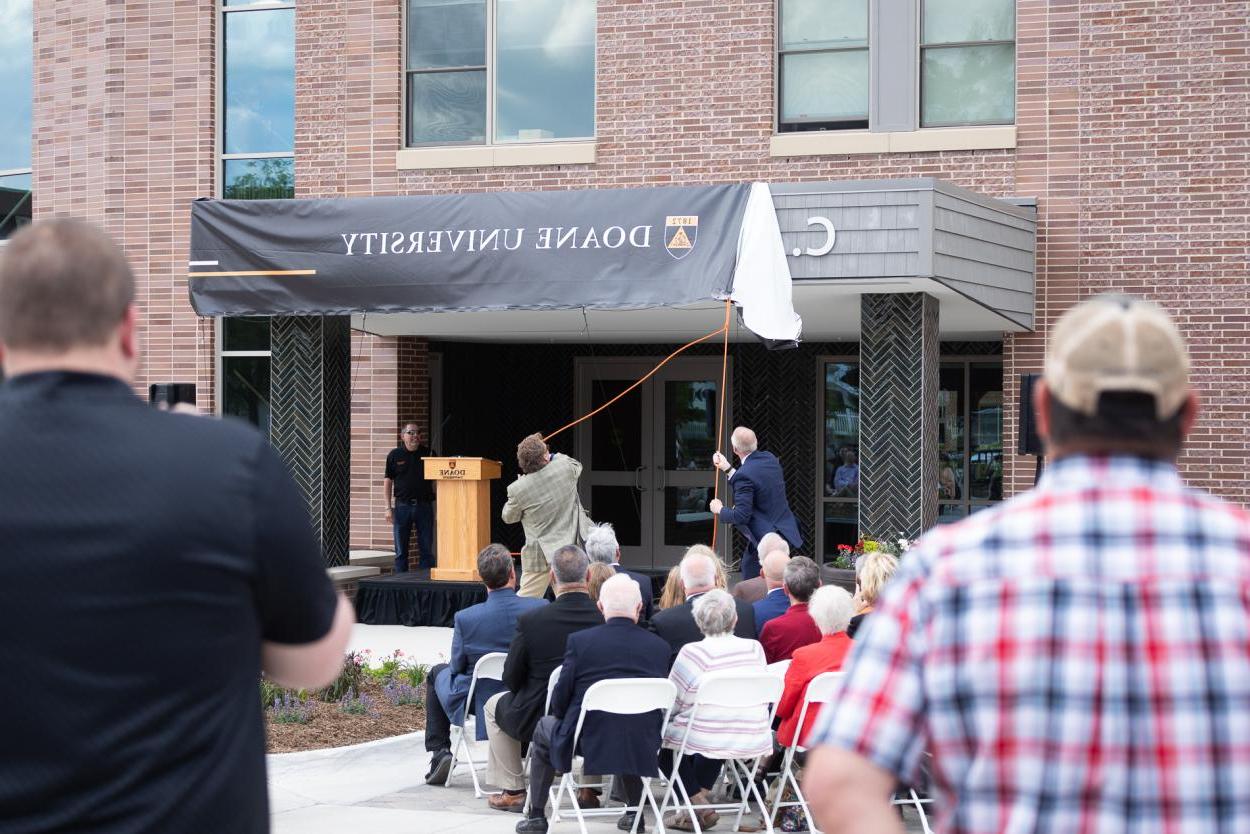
point(743, 441)
point(774, 568)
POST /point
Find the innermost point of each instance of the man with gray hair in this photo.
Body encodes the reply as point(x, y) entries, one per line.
point(624, 745)
point(478, 630)
point(795, 628)
point(602, 546)
point(698, 576)
point(537, 648)
point(755, 589)
point(759, 494)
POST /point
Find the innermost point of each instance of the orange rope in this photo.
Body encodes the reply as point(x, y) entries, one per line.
point(720, 419)
point(650, 374)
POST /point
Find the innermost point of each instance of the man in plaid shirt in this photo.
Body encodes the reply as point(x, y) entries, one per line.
point(1078, 658)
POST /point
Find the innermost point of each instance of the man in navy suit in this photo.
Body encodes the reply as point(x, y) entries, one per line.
point(625, 745)
point(602, 546)
point(775, 602)
point(760, 505)
point(479, 630)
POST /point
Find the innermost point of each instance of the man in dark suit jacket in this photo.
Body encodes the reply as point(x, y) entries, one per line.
point(479, 630)
point(698, 576)
point(754, 590)
point(775, 602)
point(624, 745)
point(760, 505)
point(602, 546)
point(537, 649)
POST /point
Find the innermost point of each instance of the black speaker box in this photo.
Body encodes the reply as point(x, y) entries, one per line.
point(1027, 441)
point(166, 394)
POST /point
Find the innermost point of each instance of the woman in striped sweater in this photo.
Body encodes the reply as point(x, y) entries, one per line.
point(717, 733)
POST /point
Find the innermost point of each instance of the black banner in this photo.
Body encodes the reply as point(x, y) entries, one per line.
point(604, 249)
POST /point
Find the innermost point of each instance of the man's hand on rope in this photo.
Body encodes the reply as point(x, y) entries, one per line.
point(718, 460)
point(715, 506)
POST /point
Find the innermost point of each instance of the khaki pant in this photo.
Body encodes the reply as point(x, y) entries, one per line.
point(504, 769)
point(534, 582)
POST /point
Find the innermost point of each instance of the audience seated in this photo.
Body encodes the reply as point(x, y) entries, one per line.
point(716, 733)
point(830, 609)
point(698, 576)
point(602, 548)
point(753, 590)
point(795, 628)
point(624, 745)
point(537, 648)
point(673, 593)
point(775, 603)
point(599, 573)
point(874, 571)
point(478, 630)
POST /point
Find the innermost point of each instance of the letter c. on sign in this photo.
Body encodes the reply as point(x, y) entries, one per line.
point(830, 236)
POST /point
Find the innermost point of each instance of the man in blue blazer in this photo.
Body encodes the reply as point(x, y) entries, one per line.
point(760, 505)
point(479, 630)
point(602, 546)
point(623, 745)
point(775, 602)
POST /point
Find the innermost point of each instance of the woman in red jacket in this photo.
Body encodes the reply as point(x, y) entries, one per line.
point(830, 607)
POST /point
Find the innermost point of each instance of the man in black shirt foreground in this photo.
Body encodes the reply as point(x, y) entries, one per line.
point(409, 497)
point(151, 565)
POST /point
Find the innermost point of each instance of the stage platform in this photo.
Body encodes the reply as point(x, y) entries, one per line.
point(413, 599)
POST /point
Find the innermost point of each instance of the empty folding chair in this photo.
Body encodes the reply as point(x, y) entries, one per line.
point(779, 668)
point(488, 667)
point(734, 689)
point(623, 696)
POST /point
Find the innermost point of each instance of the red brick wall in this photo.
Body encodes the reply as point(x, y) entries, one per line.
point(124, 137)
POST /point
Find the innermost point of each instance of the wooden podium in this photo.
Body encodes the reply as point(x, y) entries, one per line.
point(463, 525)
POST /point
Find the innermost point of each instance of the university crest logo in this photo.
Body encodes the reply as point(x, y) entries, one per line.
point(680, 234)
point(451, 464)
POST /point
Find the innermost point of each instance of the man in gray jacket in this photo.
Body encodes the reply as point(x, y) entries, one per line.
point(544, 499)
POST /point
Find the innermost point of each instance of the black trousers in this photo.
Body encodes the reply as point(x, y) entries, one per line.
point(695, 772)
point(542, 774)
point(437, 722)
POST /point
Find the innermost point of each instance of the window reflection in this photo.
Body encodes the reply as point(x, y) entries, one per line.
point(15, 203)
point(16, 91)
point(689, 424)
point(545, 73)
point(260, 81)
point(259, 179)
point(970, 437)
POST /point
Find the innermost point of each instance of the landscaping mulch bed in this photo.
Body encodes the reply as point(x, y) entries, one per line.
point(331, 727)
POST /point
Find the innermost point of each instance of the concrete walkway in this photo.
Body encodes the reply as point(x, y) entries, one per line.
point(379, 787)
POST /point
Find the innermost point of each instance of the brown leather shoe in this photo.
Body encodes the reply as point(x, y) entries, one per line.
point(587, 799)
point(514, 802)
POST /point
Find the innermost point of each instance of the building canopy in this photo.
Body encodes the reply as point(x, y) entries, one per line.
point(609, 249)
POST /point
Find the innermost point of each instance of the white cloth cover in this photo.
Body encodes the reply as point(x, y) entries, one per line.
point(761, 286)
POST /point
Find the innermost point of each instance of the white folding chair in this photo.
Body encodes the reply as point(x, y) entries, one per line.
point(821, 690)
point(622, 696)
point(552, 680)
point(488, 667)
point(734, 689)
point(914, 799)
point(779, 668)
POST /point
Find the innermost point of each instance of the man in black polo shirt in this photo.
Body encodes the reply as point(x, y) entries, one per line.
point(409, 497)
point(151, 565)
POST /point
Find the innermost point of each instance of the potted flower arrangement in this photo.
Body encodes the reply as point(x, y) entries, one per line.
point(841, 569)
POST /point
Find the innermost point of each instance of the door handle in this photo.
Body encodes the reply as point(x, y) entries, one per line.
point(663, 478)
point(638, 480)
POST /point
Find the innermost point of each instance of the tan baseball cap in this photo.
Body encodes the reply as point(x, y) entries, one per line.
point(1117, 343)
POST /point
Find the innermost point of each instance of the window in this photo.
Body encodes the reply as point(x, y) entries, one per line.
point(245, 362)
point(258, 91)
point(840, 474)
point(500, 71)
point(822, 65)
point(970, 437)
point(968, 63)
point(16, 97)
point(257, 163)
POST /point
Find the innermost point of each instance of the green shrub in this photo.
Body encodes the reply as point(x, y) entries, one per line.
point(349, 679)
point(290, 708)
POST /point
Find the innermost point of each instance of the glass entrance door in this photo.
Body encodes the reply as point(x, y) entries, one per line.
point(648, 457)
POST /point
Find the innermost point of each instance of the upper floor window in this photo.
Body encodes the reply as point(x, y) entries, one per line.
point(258, 89)
point(16, 96)
point(496, 71)
point(968, 63)
point(823, 65)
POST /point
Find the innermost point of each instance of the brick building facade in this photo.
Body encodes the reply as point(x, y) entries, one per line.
point(1129, 131)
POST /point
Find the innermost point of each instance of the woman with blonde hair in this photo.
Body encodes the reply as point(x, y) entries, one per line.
point(673, 593)
point(599, 573)
point(872, 574)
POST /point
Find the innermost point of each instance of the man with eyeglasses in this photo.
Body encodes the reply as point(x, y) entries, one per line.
point(409, 497)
